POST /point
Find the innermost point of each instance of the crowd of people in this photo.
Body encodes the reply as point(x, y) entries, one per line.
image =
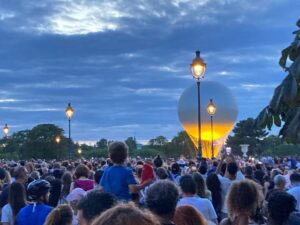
point(121, 190)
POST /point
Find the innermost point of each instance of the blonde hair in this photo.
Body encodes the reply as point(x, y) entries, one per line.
point(243, 198)
point(126, 214)
point(61, 215)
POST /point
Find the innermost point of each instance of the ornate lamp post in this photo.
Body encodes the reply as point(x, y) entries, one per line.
point(198, 69)
point(211, 109)
point(69, 113)
point(5, 130)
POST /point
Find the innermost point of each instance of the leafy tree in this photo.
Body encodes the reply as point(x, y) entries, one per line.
point(181, 145)
point(146, 152)
point(131, 143)
point(246, 132)
point(285, 104)
point(86, 148)
point(15, 143)
point(102, 143)
point(158, 141)
point(271, 142)
point(40, 143)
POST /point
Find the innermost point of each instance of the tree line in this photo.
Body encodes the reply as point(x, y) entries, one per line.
point(41, 142)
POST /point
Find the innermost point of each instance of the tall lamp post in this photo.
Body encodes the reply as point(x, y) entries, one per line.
point(69, 113)
point(211, 109)
point(5, 130)
point(198, 69)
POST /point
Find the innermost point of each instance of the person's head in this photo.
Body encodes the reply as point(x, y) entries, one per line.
point(2, 174)
point(157, 161)
point(280, 206)
point(258, 166)
point(200, 184)
point(55, 192)
point(126, 214)
point(279, 181)
point(248, 171)
point(16, 197)
point(247, 201)
point(232, 168)
point(74, 197)
point(213, 183)
point(118, 152)
point(295, 178)
point(175, 168)
point(188, 215)
point(38, 191)
point(187, 185)
point(161, 173)
point(203, 169)
point(81, 171)
point(161, 198)
point(20, 174)
point(61, 215)
point(93, 204)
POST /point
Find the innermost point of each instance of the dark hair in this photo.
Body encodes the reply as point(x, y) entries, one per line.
point(232, 168)
point(66, 184)
point(248, 171)
point(161, 173)
point(280, 206)
point(200, 184)
point(19, 172)
point(98, 175)
point(81, 171)
point(2, 174)
point(295, 177)
point(223, 168)
point(126, 214)
point(203, 169)
point(214, 185)
point(187, 184)
point(157, 161)
point(175, 168)
point(118, 152)
point(16, 197)
point(61, 215)
point(94, 203)
point(57, 173)
point(55, 192)
point(161, 197)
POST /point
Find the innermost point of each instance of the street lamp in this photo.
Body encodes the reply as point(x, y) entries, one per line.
point(5, 130)
point(57, 139)
point(69, 113)
point(79, 151)
point(211, 110)
point(198, 69)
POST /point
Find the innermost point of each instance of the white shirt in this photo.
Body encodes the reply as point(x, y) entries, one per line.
point(7, 216)
point(295, 191)
point(204, 206)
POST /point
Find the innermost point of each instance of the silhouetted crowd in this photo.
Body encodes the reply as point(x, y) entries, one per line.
point(152, 191)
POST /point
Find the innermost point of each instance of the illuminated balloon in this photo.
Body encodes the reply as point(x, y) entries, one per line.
point(223, 119)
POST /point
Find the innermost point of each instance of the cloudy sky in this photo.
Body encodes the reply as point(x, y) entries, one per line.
point(123, 64)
